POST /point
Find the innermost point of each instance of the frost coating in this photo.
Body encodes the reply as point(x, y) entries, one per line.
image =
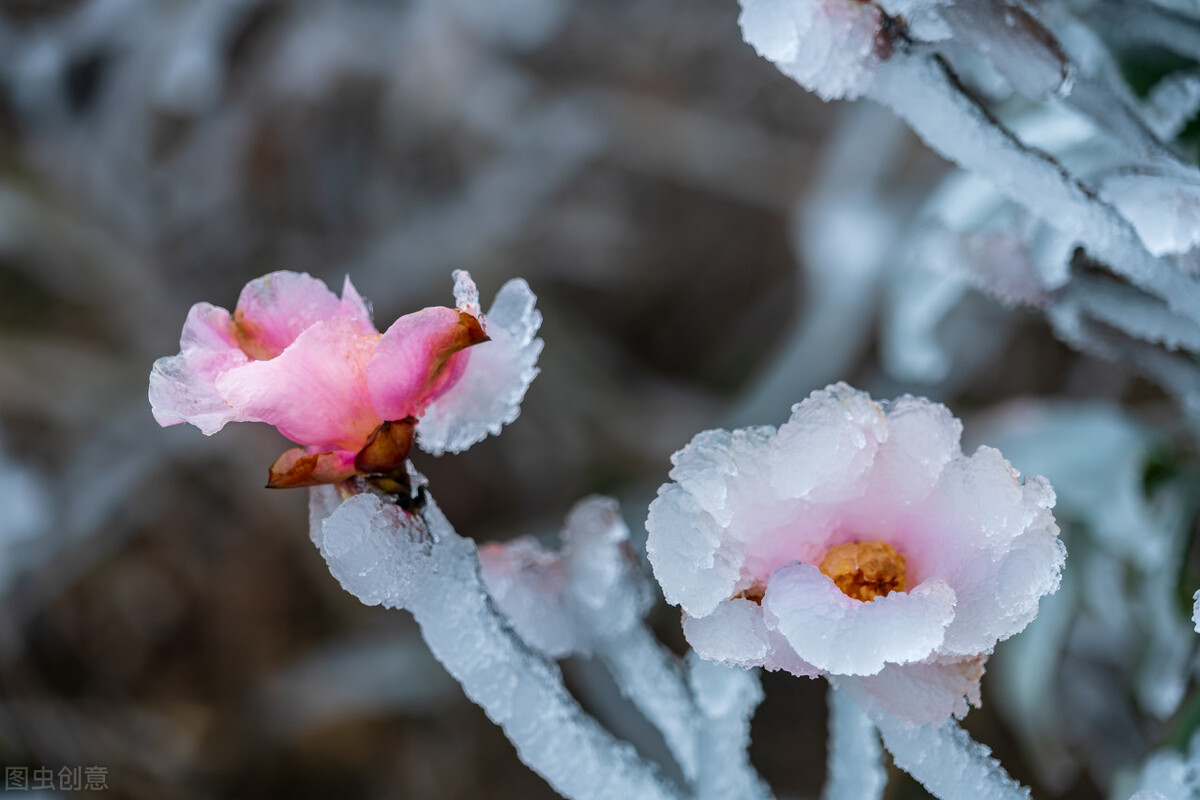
point(1164, 212)
point(489, 393)
point(947, 762)
point(855, 757)
point(385, 556)
point(736, 539)
point(827, 46)
point(566, 603)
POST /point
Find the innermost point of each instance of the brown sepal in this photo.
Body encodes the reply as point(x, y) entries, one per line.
point(473, 332)
point(387, 449)
point(298, 467)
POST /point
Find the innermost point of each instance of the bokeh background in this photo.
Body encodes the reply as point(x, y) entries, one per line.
point(659, 186)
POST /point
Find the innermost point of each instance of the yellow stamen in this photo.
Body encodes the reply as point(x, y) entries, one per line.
point(865, 570)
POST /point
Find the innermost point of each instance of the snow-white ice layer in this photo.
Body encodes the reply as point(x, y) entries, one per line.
point(1164, 210)
point(737, 537)
point(725, 698)
point(855, 770)
point(948, 762)
point(386, 556)
point(566, 603)
point(919, 89)
point(489, 394)
point(589, 599)
point(827, 46)
point(1172, 103)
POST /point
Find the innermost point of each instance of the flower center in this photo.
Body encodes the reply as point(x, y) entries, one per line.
point(865, 570)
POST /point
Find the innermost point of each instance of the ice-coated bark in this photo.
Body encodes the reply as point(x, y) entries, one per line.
point(385, 556)
point(1164, 210)
point(725, 698)
point(590, 599)
point(855, 758)
point(737, 538)
point(920, 90)
point(948, 762)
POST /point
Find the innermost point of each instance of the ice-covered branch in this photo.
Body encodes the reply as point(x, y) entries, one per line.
point(589, 599)
point(855, 757)
point(650, 677)
point(386, 556)
point(1177, 372)
point(921, 90)
point(498, 631)
point(725, 699)
point(947, 762)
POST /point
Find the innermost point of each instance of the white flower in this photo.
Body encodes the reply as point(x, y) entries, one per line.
point(857, 542)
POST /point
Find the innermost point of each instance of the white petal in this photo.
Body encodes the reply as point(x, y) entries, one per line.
point(682, 546)
point(823, 451)
point(845, 636)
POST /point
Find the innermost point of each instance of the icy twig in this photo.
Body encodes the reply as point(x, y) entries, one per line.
point(725, 699)
point(1178, 373)
point(1133, 312)
point(387, 557)
point(855, 769)
point(1172, 103)
point(648, 674)
point(590, 599)
point(948, 762)
point(920, 89)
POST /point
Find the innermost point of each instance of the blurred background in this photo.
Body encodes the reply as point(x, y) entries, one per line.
point(708, 244)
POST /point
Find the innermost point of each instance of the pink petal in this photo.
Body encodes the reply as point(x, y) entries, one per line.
point(993, 539)
point(272, 311)
point(841, 635)
point(418, 358)
point(353, 305)
point(315, 391)
point(183, 387)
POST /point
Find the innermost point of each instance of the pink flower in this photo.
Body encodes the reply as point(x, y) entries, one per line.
point(858, 542)
point(295, 356)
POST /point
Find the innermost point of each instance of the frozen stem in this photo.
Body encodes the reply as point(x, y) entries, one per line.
point(947, 762)
point(385, 556)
